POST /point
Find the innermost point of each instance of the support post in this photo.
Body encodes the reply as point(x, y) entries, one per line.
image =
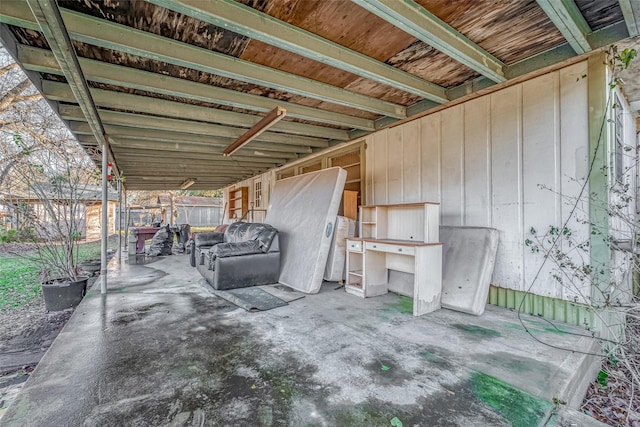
point(104, 220)
point(126, 222)
point(119, 222)
point(599, 176)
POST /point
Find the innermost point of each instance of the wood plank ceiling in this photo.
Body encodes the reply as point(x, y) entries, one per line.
point(176, 81)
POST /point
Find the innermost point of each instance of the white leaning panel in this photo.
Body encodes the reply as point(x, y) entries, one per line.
point(468, 256)
point(304, 208)
point(345, 227)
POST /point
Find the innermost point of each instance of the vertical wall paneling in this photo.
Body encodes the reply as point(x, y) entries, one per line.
point(395, 165)
point(506, 195)
point(411, 157)
point(598, 178)
point(379, 168)
point(540, 157)
point(477, 177)
point(452, 136)
point(368, 172)
point(431, 185)
point(574, 159)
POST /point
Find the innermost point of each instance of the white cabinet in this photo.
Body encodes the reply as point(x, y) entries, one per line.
point(397, 237)
point(413, 222)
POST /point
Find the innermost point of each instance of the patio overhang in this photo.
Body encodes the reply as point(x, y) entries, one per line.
point(175, 82)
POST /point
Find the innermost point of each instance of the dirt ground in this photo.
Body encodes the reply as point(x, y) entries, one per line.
point(25, 335)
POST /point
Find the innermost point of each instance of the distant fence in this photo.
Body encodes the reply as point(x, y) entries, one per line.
point(196, 216)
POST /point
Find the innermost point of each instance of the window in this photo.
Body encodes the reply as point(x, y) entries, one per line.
point(257, 194)
point(619, 139)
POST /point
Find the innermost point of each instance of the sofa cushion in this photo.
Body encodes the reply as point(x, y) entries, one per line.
point(224, 250)
point(234, 232)
point(267, 237)
point(247, 231)
point(208, 239)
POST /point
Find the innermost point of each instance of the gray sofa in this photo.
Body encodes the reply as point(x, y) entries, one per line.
point(245, 254)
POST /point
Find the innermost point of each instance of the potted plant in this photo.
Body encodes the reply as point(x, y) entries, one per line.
point(56, 185)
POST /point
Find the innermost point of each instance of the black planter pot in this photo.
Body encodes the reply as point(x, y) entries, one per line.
point(91, 267)
point(61, 294)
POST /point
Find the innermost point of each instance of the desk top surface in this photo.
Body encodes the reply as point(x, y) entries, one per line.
point(393, 241)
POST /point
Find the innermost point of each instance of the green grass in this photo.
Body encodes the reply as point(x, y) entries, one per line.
point(19, 281)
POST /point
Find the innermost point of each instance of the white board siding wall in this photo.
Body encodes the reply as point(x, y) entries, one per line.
point(485, 162)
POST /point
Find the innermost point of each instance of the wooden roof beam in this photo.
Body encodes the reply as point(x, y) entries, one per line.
point(631, 13)
point(569, 20)
point(249, 22)
point(199, 174)
point(423, 25)
point(193, 159)
point(152, 136)
point(180, 111)
point(109, 35)
point(212, 165)
point(42, 60)
point(209, 138)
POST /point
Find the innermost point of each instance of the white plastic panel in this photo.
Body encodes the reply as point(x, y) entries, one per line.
point(469, 254)
point(304, 208)
point(345, 227)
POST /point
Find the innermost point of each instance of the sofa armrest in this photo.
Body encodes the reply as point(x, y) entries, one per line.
point(225, 250)
point(208, 239)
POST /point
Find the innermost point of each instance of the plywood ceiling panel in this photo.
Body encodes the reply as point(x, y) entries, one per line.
point(157, 20)
point(600, 13)
point(509, 30)
point(342, 22)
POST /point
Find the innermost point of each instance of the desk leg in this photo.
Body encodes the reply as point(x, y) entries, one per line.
point(140, 244)
point(427, 287)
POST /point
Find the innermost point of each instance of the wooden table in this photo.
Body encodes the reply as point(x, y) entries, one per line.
point(143, 234)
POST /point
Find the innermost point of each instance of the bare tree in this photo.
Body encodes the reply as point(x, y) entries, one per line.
point(27, 123)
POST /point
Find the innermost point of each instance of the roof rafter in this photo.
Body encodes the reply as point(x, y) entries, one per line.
point(42, 60)
point(195, 159)
point(143, 104)
point(566, 16)
point(631, 13)
point(109, 35)
point(149, 125)
point(161, 135)
point(249, 22)
point(423, 25)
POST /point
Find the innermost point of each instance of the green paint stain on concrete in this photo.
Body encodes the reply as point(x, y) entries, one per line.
point(516, 406)
point(477, 330)
point(403, 305)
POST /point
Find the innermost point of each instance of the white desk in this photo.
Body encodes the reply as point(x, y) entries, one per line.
point(369, 261)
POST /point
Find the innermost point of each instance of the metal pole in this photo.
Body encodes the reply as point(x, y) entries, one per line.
point(119, 222)
point(126, 222)
point(105, 221)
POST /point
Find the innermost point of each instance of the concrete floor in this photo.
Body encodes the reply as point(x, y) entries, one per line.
point(161, 350)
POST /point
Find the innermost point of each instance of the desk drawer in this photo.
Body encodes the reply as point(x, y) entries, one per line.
point(354, 246)
point(390, 248)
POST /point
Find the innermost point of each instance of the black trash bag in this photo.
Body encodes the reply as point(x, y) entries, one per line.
point(161, 242)
point(182, 237)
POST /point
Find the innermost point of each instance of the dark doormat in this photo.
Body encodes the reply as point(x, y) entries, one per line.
point(251, 299)
point(283, 292)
